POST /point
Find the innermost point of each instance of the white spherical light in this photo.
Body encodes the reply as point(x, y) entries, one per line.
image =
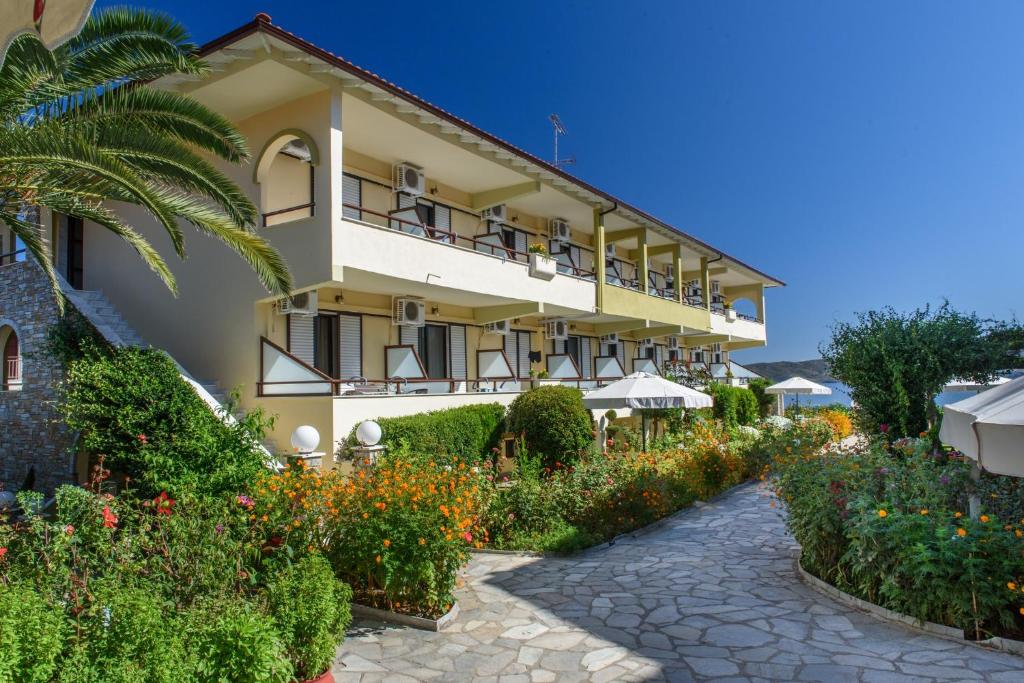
point(368, 433)
point(305, 439)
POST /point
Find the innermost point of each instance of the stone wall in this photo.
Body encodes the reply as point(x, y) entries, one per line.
point(31, 433)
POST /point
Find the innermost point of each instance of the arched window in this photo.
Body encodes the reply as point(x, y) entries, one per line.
point(285, 173)
point(10, 355)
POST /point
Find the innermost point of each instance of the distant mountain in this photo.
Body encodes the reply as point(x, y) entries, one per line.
point(813, 370)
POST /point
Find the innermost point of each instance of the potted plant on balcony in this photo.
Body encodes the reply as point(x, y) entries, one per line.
point(730, 312)
point(542, 265)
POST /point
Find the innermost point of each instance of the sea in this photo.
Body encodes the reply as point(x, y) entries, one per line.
point(841, 394)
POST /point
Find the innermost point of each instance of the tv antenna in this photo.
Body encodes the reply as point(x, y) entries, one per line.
point(560, 130)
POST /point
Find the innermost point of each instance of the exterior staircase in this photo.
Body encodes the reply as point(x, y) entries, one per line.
point(103, 315)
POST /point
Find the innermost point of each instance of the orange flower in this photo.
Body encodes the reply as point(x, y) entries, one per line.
point(423, 541)
point(984, 518)
point(958, 515)
point(882, 513)
point(961, 532)
point(378, 559)
point(387, 543)
point(924, 511)
point(1011, 585)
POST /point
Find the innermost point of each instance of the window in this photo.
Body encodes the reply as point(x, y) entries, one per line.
point(433, 350)
point(517, 348)
point(572, 347)
point(10, 360)
point(325, 344)
point(508, 238)
point(647, 352)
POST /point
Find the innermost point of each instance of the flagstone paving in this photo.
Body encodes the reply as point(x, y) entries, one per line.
point(710, 595)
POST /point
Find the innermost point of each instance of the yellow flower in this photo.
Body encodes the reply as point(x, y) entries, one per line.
point(423, 541)
point(958, 515)
point(1018, 533)
point(961, 532)
point(1011, 585)
point(924, 511)
point(882, 513)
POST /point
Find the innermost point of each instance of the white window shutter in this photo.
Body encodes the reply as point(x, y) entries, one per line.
point(524, 354)
point(457, 350)
point(586, 360)
point(622, 353)
point(351, 193)
point(300, 337)
point(659, 356)
point(409, 335)
point(350, 338)
point(521, 245)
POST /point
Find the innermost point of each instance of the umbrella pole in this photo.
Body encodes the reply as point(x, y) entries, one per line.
point(643, 431)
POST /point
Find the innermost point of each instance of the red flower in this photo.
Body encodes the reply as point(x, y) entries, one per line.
point(109, 518)
point(468, 536)
point(3, 551)
point(275, 542)
point(69, 529)
point(163, 504)
point(143, 439)
point(884, 427)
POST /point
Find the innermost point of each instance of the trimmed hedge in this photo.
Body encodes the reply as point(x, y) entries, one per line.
point(467, 431)
point(554, 423)
point(734, 406)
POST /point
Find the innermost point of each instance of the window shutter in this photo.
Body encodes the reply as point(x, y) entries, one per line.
point(350, 338)
point(300, 337)
point(351, 193)
point(586, 360)
point(510, 348)
point(521, 245)
point(559, 345)
point(406, 201)
point(409, 335)
point(622, 354)
point(524, 354)
point(659, 356)
point(457, 350)
point(443, 221)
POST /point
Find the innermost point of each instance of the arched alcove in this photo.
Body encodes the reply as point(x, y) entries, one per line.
point(10, 359)
point(285, 173)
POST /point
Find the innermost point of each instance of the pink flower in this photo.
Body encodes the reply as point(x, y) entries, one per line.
point(468, 536)
point(143, 439)
point(69, 529)
point(163, 504)
point(884, 427)
point(245, 501)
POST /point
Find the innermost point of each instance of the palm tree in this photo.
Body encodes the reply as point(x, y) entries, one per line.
point(80, 127)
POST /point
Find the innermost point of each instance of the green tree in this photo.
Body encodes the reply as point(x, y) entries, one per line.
point(80, 127)
point(896, 363)
point(765, 402)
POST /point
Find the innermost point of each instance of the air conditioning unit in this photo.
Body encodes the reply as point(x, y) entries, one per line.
point(646, 342)
point(558, 230)
point(612, 338)
point(303, 303)
point(557, 329)
point(498, 214)
point(408, 312)
point(672, 343)
point(407, 178)
point(499, 327)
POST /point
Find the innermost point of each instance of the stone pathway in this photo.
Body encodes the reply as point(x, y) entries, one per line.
point(709, 595)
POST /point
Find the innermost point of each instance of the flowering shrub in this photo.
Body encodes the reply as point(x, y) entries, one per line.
point(839, 420)
point(398, 533)
point(161, 588)
point(890, 526)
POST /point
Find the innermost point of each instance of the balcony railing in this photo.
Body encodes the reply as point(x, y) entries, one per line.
point(492, 244)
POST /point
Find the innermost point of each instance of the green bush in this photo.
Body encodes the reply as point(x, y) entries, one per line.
point(32, 634)
point(127, 635)
point(734, 406)
point(765, 402)
point(553, 423)
point(234, 643)
point(133, 406)
point(311, 610)
point(465, 433)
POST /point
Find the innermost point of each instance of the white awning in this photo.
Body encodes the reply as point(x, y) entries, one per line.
point(989, 428)
point(798, 385)
point(644, 390)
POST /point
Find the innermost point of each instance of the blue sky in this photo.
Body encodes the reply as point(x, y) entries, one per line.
point(867, 153)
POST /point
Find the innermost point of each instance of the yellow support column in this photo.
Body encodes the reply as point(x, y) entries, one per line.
point(677, 270)
point(599, 264)
point(641, 270)
point(705, 283)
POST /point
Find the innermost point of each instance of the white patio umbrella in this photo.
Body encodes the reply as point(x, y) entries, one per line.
point(959, 384)
point(644, 390)
point(53, 21)
point(797, 386)
point(989, 428)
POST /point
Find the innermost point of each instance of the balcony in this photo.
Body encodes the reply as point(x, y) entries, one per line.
point(403, 253)
point(737, 325)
